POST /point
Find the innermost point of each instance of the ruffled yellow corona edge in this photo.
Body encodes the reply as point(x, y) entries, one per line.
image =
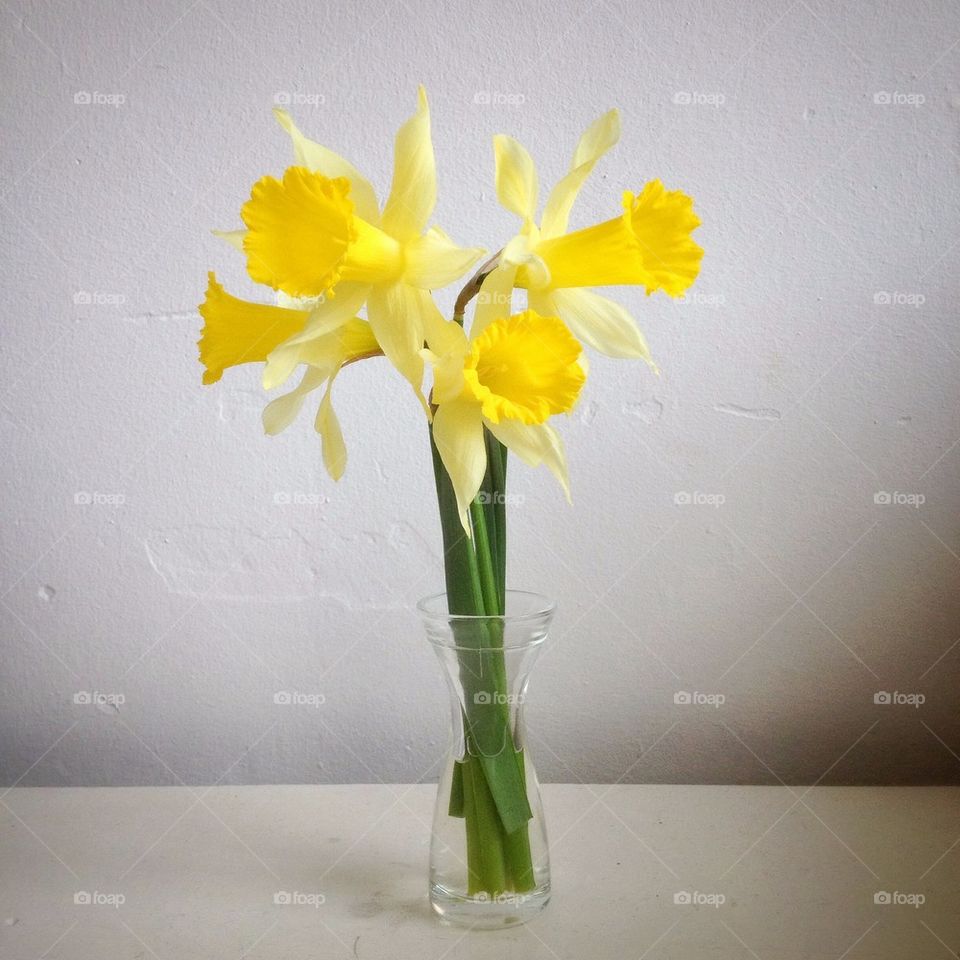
point(318, 238)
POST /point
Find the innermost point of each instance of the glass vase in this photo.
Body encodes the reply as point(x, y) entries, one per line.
point(489, 862)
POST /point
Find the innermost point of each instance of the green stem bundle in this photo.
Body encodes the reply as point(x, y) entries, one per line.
point(489, 783)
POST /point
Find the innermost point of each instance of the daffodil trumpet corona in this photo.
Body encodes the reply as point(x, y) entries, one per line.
point(350, 280)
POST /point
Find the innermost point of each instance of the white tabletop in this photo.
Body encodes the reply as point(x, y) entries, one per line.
point(773, 873)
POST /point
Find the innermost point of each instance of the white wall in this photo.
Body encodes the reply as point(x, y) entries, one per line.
point(802, 378)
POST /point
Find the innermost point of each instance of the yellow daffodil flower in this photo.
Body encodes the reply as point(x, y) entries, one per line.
point(317, 237)
point(232, 325)
point(648, 244)
point(519, 371)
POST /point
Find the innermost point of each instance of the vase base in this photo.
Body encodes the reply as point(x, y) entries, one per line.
point(488, 913)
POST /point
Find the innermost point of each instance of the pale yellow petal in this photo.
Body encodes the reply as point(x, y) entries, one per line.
point(494, 301)
point(442, 335)
point(413, 194)
point(433, 260)
point(446, 354)
point(281, 412)
point(324, 357)
point(458, 434)
point(515, 177)
point(534, 444)
point(331, 436)
point(321, 160)
point(447, 347)
point(532, 270)
point(396, 315)
point(447, 337)
point(348, 343)
point(357, 340)
point(280, 365)
point(322, 320)
point(599, 137)
point(333, 312)
point(600, 323)
point(233, 237)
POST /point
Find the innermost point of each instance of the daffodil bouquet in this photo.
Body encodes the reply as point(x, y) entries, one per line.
point(352, 281)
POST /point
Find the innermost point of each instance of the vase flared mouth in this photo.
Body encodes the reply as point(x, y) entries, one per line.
point(522, 608)
point(525, 623)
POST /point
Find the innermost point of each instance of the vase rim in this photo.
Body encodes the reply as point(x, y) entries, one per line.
point(537, 607)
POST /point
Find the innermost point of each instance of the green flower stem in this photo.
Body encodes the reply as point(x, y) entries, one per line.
point(516, 848)
point(489, 871)
point(464, 594)
point(497, 469)
point(487, 498)
point(488, 711)
point(516, 841)
point(476, 881)
point(489, 787)
point(485, 567)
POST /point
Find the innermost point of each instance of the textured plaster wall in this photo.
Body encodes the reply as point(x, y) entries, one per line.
point(729, 537)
